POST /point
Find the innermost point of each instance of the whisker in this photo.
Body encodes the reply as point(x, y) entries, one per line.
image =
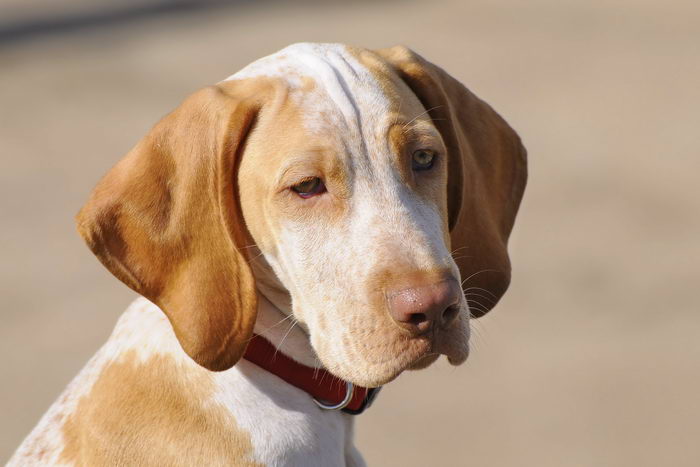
point(485, 297)
point(418, 116)
point(457, 249)
point(477, 273)
point(278, 323)
point(482, 308)
point(455, 258)
point(277, 347)
point(483, 290)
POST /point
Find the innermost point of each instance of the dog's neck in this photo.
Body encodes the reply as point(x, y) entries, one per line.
point(275, 320)
point(283, 331)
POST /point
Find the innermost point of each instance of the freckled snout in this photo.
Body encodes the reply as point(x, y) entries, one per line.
point(421, 308)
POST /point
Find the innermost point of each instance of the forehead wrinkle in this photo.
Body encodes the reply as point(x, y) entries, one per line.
point(336, 86)
point(349, 100)
point(341, 83)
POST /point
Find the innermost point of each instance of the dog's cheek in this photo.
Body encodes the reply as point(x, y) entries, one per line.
point(302, 267)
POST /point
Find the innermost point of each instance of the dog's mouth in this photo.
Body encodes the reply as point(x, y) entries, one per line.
point(456, 350)
point(455, 356)
point(382, 359)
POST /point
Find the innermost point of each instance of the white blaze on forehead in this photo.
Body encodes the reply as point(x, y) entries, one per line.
point(347, 94)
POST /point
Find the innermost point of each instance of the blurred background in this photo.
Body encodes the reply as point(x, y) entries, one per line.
point(593, 356)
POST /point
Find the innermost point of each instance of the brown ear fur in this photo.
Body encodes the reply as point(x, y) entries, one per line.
point(166, 222)
point(487, 171)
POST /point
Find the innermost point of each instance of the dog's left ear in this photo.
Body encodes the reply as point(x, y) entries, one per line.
point(166, 222)
point(487, 171)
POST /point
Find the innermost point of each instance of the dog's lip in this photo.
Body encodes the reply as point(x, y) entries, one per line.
point(455, 361)
point(456, 353)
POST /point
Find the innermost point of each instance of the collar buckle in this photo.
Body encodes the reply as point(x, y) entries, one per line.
point(349, 392)
point(371, 395)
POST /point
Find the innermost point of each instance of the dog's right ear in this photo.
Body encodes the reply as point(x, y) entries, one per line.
point(166, 221)
point(487, 173)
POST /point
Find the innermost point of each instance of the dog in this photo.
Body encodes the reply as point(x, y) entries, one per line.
point(300, 233)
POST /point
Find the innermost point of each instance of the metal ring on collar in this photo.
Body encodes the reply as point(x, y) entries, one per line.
point(349, 391)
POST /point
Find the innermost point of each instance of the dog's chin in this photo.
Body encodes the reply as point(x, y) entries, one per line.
point(383, 357)
point(415, 354)
point(381, 366)
point(424, 362)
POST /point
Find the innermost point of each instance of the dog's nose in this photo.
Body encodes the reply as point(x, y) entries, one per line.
point(420, 308)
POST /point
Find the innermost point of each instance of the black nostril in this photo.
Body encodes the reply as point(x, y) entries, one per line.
point(417, 318)
point(450, 314)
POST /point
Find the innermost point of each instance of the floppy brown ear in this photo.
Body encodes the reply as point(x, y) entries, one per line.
point(487, 171)
point(165, 221)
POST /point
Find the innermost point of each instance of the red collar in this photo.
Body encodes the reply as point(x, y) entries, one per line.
point(328, 391)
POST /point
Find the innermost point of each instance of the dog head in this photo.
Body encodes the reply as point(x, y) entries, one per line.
point(368, 193)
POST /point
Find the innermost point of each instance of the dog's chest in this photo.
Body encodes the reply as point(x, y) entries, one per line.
point(142, 401)
point(284, 425)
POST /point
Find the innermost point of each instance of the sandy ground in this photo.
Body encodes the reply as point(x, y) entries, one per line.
point(592, 359)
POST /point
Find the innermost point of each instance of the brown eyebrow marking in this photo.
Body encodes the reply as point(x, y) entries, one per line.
point(305, 161)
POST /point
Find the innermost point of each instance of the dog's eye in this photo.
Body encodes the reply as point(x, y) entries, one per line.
point(309, 187)
point(422, 159)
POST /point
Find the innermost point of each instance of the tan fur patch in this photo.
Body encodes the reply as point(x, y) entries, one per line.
point(153, 413)
point(282, 145)
point(165, 219)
